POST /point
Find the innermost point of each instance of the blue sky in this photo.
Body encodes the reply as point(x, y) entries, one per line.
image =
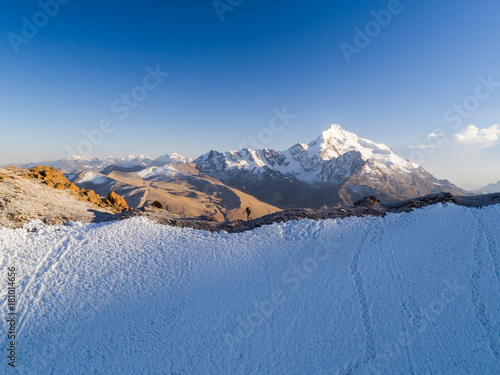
point(231, 69)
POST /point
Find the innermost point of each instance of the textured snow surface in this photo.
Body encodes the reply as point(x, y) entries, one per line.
point(408, 293)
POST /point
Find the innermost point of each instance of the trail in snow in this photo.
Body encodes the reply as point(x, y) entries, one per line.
point(369, 353)
point(409, 309)
point(407, 293)
point(492, 244)
point(484, 240)
point(38, 281)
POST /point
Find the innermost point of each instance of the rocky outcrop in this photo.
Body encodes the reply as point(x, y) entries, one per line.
point(116, 201)
point(367, 201)
point(24, 198)
point(428, 200)
point(54, 178)
point(158, 204)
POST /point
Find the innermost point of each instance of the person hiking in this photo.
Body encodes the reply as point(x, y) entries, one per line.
point(249, 213)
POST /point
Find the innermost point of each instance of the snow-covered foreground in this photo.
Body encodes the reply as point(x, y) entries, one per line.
point(408, 293)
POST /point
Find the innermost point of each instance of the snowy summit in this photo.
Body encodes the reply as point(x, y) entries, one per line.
point(338, 166)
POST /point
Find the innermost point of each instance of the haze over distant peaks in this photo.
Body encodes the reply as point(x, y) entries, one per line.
point(491, 188)
point(79, 163)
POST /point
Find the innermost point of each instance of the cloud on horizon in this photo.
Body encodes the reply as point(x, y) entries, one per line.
point(469, 136)
point(480, 138)
point(433, 140)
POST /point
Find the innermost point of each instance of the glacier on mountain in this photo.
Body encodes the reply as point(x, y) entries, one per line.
point(338, 163)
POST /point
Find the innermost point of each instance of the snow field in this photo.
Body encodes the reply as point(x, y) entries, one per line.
point(408, 293)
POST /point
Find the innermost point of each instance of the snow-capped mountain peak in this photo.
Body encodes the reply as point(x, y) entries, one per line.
point(336, 159)
point(332, 143)
point(308, 162)
point(173, 158)
point(336, 141)
point(80, 157)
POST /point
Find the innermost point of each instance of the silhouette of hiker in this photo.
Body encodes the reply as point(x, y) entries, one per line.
point(249, 213)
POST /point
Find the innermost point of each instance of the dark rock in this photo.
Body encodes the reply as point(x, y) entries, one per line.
point(367, 201)
point(158, 204)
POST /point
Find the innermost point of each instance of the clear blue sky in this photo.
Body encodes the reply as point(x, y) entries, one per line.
point(227, 76)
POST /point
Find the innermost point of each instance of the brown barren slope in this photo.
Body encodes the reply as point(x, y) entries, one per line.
point(186, 192)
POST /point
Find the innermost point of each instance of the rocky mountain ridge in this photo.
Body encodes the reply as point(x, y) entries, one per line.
point(335, 169)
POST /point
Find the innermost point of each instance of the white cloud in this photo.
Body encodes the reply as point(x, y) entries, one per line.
point(432, 140)
point(423, 146)
point(481, 138)
point(434, 135)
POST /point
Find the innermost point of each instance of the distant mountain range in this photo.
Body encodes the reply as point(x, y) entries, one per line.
point(335, 169)
point(77, 163)
point(491, 188)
